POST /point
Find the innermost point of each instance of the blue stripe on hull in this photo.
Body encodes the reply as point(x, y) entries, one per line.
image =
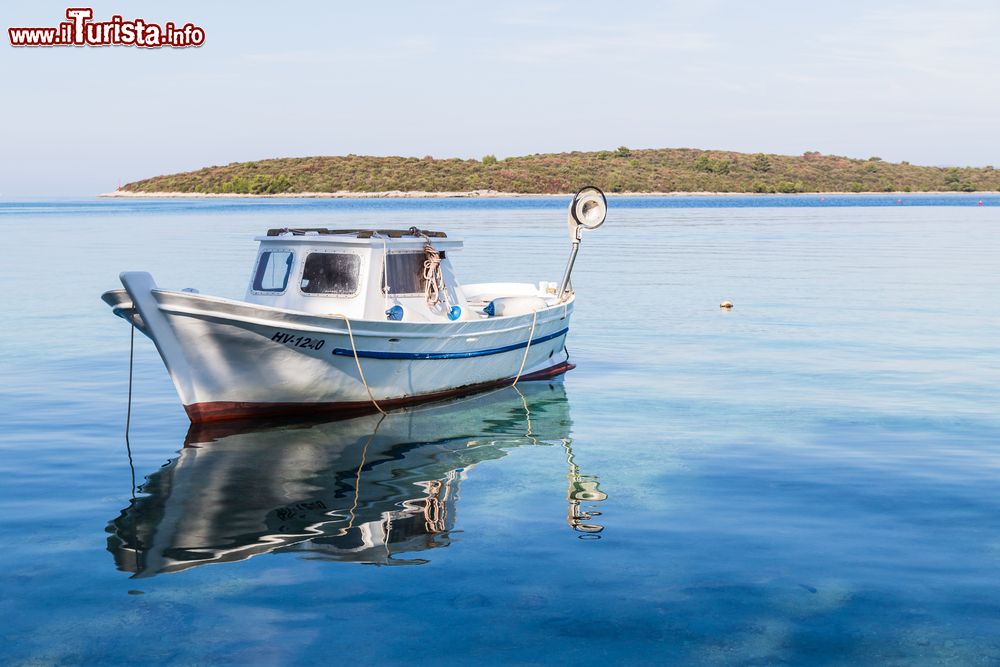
point(369, 354)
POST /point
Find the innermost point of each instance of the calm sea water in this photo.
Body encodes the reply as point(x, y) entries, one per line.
point(810, 478)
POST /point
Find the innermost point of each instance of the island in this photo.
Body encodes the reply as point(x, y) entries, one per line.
point(658, 171)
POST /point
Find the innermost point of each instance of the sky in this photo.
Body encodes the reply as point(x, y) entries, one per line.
point(912, 81)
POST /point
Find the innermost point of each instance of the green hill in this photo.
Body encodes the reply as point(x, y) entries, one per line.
point(622, 170)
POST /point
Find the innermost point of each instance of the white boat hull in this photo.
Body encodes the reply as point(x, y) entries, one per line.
point(231, 359)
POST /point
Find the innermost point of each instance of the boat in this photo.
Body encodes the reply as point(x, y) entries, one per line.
point(371, 489)
point(349, 321)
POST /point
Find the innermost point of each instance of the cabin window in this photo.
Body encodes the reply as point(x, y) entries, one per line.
point(331, 273)
point(405, 273)
point(272, 271)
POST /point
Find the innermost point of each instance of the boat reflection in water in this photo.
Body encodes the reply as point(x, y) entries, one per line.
point(363, 490)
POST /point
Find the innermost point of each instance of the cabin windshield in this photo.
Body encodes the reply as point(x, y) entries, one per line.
point(272, 271)
point(331, 273)
point(405, 273)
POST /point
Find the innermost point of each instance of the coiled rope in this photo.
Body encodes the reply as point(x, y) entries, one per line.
point(433, 280)
point(434, 285)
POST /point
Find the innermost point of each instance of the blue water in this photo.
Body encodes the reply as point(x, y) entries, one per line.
point(363, 206)
point(809, 478)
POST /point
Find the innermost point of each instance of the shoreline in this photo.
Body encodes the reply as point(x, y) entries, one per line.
point(493, 194)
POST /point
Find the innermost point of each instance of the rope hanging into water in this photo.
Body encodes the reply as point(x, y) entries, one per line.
point(354, 350)
point(128, 444)
point(128, 412)
point(524, 359)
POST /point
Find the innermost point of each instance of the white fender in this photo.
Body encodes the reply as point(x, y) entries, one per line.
point(506, 306)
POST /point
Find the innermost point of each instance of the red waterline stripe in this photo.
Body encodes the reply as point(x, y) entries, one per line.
point(213, 411)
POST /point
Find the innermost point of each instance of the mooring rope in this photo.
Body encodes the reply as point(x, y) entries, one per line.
point(524, 359)
point(128, 444)
point(128, 412)
point(354, 350)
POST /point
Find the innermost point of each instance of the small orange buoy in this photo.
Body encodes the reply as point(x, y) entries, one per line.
point(726, 304)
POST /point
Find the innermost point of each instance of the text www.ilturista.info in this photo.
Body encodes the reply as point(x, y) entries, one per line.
point(80, 30)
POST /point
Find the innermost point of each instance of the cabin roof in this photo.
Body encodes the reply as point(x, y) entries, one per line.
point(357, 233)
